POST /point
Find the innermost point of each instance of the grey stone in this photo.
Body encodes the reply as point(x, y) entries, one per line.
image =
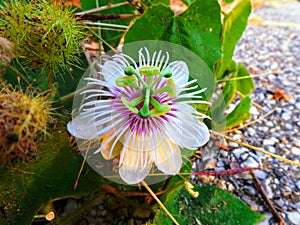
point(298, 186)
point(260, 174)
point(250, 162)
point(294, 217)
point(288, 126)
point(249, 190)
point(70, 206)
point(238, 152)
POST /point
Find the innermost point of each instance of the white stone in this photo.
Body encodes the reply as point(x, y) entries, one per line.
point(268, 142)
point(294, 217)
point(251, 131)
point(286, 116)
point(295, 150)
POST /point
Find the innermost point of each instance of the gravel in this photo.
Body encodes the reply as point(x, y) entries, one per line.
point(274, 51)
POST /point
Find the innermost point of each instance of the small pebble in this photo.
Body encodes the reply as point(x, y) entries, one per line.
point(295, 150)
point(260, 174)
point(238, 152)
point(294, 217)
point(286, 116)
point(298, 186)
point(250, 162)
point(268, 142)
point(271, 149)
point(251, 131)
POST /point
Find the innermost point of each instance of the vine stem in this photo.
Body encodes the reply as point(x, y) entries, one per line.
point(109, 6)
point(159, 202)
point(256, 149)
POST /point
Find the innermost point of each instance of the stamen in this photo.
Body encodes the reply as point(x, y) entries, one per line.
point(159, 109)
point(170, 88)
point(167, 73)
point(129, 70)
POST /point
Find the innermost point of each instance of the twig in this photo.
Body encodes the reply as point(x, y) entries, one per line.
point(106, 17)
point(136, 6)
point(261, 190)
point(159, 202)
point(256, 149)
point(224, 172)
point(109, 6)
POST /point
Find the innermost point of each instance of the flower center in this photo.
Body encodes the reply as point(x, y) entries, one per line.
point(144, 82)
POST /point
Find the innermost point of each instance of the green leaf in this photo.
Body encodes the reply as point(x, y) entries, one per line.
point(235, 23)
point(212, 206)
point(25, 188)
point(195, 29)
point(151, 25)
point(245, 84)
point(240, 113)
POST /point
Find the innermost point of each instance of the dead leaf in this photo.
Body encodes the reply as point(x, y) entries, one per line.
point(280, 94)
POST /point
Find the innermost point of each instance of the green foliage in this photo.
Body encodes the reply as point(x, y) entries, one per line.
point(195, 29)
point(25, 188)
point(212, 206)
point(234, 24)
point(46, 35)
point(238, 79)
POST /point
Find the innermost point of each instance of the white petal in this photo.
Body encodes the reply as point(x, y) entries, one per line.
point(180, 73)
point(136, 157)
point(168, 158)
point(194, 132)
point(111, 70)
point(82, 127)
point(132, 176)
